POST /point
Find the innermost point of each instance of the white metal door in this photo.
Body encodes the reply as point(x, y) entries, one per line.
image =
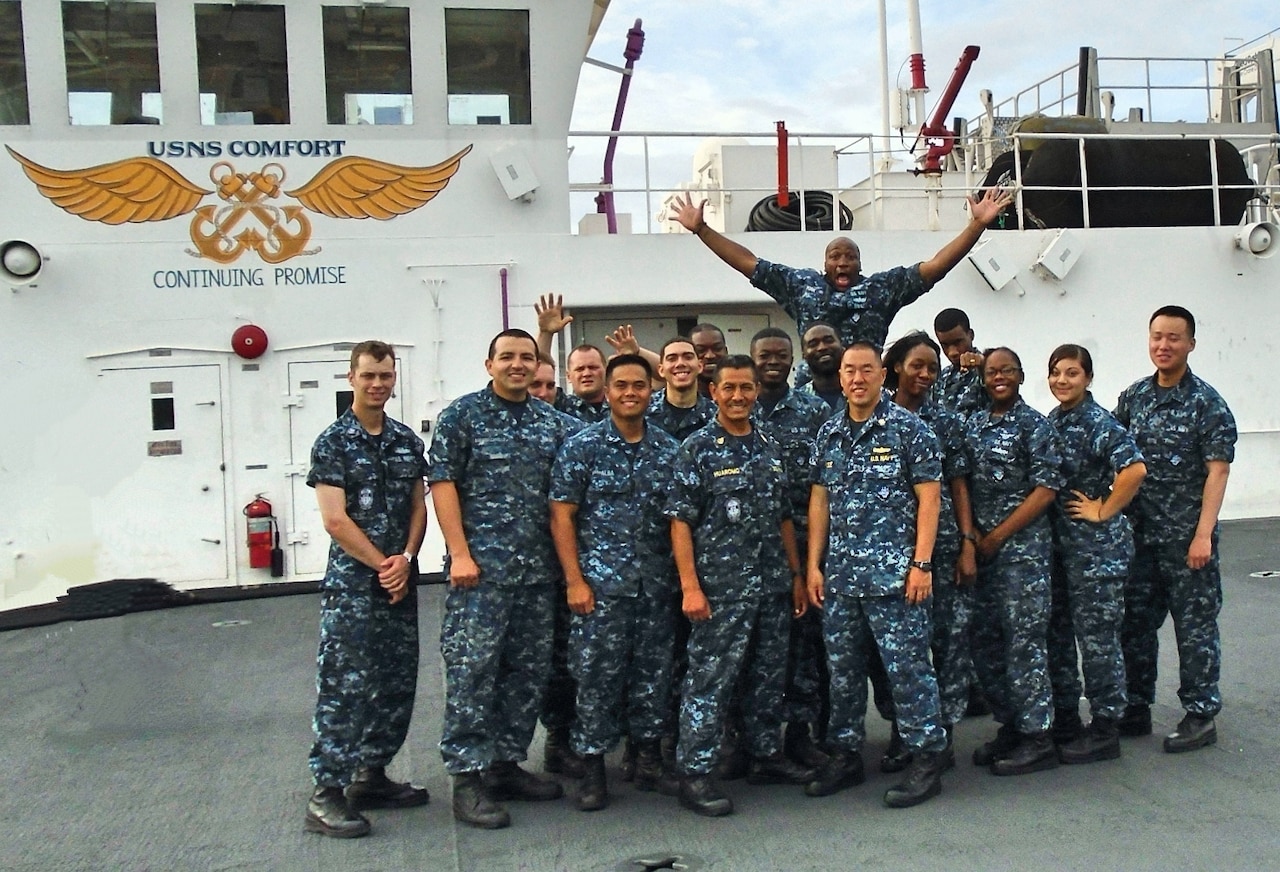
point(160, 509)
point(321, 393)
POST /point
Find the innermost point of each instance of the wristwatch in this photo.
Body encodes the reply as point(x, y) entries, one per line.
point(409, 556)
point(970, 537)
point(922, 565)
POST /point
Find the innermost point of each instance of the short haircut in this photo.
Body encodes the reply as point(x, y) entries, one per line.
point(1071, 351)
point(819, 323)
point(628, 360)
point(865, 345)
point(586, 346)
point(899, 351)
point(706, 328)
point(546, 359)
point(950, 319)
point(684, 340)
point(515, 332)
point(379, 351)
point(770, 333)
point(1176, 312)
point(735, 361)
point(1007, 350)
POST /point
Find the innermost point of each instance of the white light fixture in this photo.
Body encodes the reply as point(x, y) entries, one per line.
point(993, 264)
point(1059, 256)
point(20, 263)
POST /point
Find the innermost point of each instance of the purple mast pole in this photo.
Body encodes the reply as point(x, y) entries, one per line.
point(604, 201)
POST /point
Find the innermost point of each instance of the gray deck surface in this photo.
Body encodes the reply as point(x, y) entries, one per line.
point(161, 741)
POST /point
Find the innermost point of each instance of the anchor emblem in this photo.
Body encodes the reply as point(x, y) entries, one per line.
point(143, 189)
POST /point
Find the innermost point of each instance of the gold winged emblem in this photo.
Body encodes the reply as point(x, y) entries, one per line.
point(141, 189)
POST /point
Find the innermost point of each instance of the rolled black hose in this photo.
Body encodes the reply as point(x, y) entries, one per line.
point(768, 215)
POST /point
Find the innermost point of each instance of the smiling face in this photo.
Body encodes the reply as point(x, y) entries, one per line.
point(1069, 382)
point(773, 358)
point(680, 366)
point(822, 350)
point(1002, 377)
point(1170, 343)
point(372, 382)
point(735, 393)
point(586, 374)
point(628, 391)
point(917, 374)
point(710, 347)
point(842, 264)
point(514, 362)
point(861, 378)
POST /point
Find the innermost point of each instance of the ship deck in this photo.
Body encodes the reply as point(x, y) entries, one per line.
point(177, 740)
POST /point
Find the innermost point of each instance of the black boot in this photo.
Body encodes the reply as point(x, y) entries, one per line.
point(371, 788)
point(473, 805)
point(778, 768)
point(1067, 725)
point(329, 814)
point(1034, 753)
point(1100, 742)
point(1005, 741)
point(843, 769)
point(507, 781)
point(1136, 721)
point(923, 780)
point(897, 756)
point(1194, 731)
point(629, 753)
point(700, 794)
point(558, 757)
point(651, 772)
point(593, 792)
point(798, 744)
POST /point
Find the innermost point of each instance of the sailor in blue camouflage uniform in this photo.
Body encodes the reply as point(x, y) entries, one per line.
point(911, 371)
point(793, 417)
point(734, 546)
point(367, 470)
point(585, 371)
point(490, 471)
point(1014, 458)
point(860, 307)
point(874, 514)
point(1187, 434)
point(608, 490)
point(1093, 546)
point(959, 387)
point(678, 407)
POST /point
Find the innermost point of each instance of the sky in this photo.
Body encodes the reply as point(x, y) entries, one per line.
point(741, 65)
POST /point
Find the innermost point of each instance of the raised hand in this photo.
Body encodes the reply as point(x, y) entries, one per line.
point(550, 312)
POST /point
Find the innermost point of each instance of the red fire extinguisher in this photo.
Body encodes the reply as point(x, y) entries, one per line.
point(261, 523)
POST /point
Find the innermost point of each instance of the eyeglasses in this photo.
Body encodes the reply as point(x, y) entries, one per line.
point(1006, 371)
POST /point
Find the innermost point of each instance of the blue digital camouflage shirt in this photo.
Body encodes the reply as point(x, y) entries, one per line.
point(680, 423)
point(862, 313)
point(620, 489)
point(502, 469)
point(1094, 450)
point(948, 427)
point(960, 390)
point(577, 407)
point(1177, 433)
point(870, 470)
point(732, 492)
point(377, 473)
point(1009, 457)
point(793, 423)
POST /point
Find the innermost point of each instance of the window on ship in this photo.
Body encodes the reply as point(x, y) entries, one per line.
point(13, 67)
point(487, 61)
point(243, 65)
point(367, 71)
point(113, 67)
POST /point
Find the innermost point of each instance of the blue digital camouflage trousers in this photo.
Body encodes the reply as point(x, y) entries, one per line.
point(557, 707)
point(620, 655)
point(366, 676)
point(807, 699)
point(496, 647)
point(951, 609)
point(717, 648)
point(1088, 611)
point(900, 631)
point(1159, 584)
point(1009, 638)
